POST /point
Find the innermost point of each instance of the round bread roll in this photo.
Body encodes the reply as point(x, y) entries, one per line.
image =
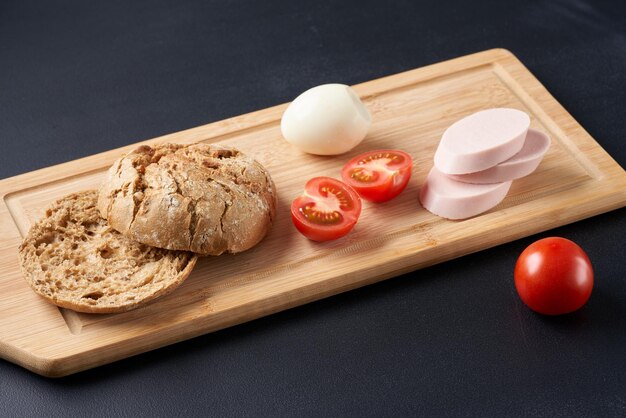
point(204, 198)
point(73, 259)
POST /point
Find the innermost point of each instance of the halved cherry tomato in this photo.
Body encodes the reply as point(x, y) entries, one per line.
point(379, 175)
point(327, 210)
point(553, 276)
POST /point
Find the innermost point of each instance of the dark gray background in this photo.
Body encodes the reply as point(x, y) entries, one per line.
point(79, 77)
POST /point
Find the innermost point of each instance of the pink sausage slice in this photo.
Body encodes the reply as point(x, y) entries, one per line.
point(453, 199)
point(481, 140)
point(521, 164)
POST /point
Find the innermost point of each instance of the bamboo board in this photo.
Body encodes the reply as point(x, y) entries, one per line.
point(577, 179)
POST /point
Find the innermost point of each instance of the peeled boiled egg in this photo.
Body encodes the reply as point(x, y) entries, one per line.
point(326, 120)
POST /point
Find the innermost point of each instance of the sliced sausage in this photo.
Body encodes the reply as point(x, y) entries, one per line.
point(453, 199)
point(521, 164)
point(481, 140)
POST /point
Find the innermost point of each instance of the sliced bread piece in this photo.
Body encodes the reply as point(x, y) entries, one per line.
point(74, 259)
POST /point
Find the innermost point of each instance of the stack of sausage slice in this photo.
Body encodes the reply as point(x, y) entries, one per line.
point(478, 158)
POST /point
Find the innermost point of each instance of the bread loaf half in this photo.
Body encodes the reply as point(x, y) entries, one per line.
point(75, 260)
point(204, 198)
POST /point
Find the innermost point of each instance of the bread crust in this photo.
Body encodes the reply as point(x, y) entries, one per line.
point(204, 198)
point(73, 259)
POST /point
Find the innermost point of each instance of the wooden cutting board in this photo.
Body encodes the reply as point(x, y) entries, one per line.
point(577, 179)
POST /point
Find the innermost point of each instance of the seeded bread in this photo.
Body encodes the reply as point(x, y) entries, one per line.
point(204, 198)
point(73, 259)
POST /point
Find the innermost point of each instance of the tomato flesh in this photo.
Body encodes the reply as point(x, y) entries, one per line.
point(328, 209)
point(554, 276)
point(378, 175)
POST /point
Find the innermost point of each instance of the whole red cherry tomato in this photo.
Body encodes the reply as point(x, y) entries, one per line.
point(378, 175)
point(327, 210)
point(553, 276)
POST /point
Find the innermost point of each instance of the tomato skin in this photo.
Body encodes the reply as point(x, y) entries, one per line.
point(320, 215)
point(554, 276)
point(392, 171)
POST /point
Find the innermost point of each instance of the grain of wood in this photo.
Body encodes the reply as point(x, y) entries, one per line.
point(410, 111)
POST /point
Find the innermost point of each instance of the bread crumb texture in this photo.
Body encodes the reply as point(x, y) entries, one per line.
point(75, 260)
point(204, 198)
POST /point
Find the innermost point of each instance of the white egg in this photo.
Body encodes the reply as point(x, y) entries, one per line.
point(326, 120)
